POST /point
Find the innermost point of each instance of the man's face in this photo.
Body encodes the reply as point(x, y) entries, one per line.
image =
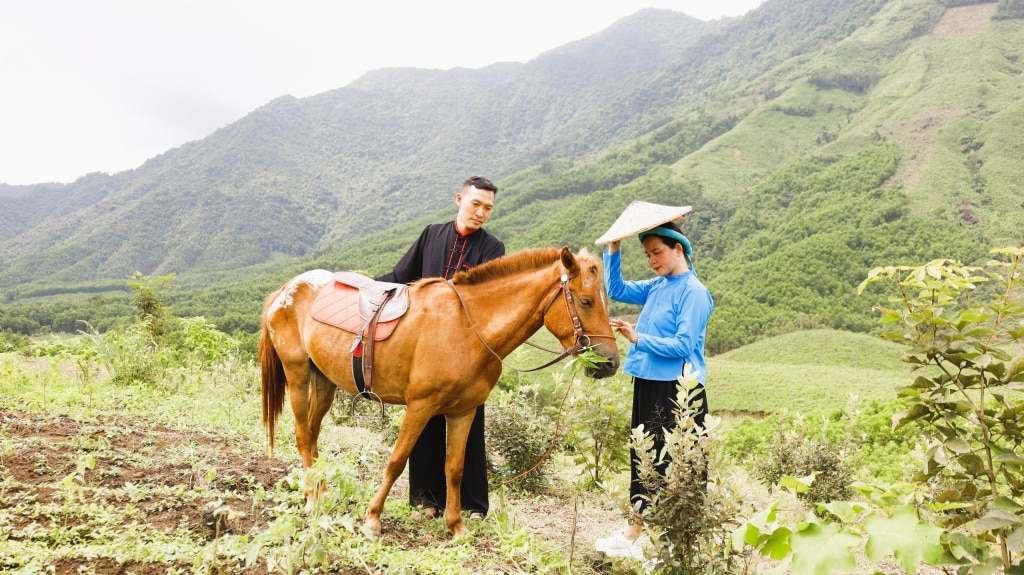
point(475, 206)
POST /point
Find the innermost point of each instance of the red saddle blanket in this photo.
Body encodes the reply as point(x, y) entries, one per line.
point(337, 304)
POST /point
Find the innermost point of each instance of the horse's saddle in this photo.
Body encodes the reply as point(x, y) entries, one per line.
point(352, 301)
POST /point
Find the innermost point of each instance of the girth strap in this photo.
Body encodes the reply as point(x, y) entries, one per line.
point(362, 349)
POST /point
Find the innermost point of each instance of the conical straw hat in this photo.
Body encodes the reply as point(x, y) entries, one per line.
point(640, 217)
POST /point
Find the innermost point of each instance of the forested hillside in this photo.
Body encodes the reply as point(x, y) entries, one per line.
point(815, 140)
point(302, 174)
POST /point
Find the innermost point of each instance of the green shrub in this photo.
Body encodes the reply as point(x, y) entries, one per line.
point(12, 342)
point(746, 440)
point(795, 454)
point(519, 438)
point(690, 519)
point(598, 420)
point(131, 355)
point(197, 340)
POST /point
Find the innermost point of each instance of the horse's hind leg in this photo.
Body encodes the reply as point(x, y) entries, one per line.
point(412, 425)
point(320, 401)
point(298, 374)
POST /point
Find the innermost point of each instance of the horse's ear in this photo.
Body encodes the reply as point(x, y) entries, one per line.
point(572, 267)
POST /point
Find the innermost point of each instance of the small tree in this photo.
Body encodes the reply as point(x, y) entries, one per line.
point(966, 346)
point(691, 520)
point(964, 329)
point(599, 429)
point(150, 301)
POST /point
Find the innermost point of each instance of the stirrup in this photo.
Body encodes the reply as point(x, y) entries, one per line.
point(373, 397)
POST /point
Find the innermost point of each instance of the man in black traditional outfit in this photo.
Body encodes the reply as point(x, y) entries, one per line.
point(441, 251)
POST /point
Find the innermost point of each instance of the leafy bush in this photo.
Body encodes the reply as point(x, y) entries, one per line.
point(149, 298)
point(519, 438)
point(130, 355)
point(598, 423)
point(691, 520)
point(882, 454)
point(746, 440)
point(964, 329)
point(795, 454)
point(11, 341)
point(198, 341)
point(966, 340)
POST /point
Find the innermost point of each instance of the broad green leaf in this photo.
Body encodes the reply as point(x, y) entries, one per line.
point(958, 445)
point(781, 568)
point(796, 484)
point(846, 511)
point(916, 411)
point(822, 549)
point(745, 534)
point(750, 532)
point(972, 464)
point(907, 538)
point(1016, 371)
point(777, 545)
point(978, 332)
point(997, 519)
point(1009, 459)
point(983, 360)
point(1007, 504)
point(1015, 540)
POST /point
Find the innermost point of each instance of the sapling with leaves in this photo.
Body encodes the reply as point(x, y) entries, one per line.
point(967, 347)
point(964, 330)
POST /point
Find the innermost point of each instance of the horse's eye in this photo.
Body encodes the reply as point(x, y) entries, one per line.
point(586, 302)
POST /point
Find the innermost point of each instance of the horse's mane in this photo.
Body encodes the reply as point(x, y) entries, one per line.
point(526, 260)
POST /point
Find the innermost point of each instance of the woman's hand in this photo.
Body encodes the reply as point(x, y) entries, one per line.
point(624, 328)
point(613, 247)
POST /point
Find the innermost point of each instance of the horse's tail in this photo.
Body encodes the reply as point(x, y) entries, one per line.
point(273, 382)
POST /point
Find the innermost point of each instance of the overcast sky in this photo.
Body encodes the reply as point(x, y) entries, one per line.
point(104, 85)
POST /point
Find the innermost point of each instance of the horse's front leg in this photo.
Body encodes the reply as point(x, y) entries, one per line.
point(416, 417)
point(455, 460)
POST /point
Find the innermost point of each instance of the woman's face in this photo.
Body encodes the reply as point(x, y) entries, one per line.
point(665, 261)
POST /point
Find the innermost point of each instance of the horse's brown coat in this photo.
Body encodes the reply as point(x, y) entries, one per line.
point(434, 362)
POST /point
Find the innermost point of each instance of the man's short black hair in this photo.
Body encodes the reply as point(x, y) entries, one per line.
point(481, 183)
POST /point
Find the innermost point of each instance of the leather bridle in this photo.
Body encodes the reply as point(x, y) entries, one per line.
point(581, 340)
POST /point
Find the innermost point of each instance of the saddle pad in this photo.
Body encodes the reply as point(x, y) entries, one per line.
point(337, 304)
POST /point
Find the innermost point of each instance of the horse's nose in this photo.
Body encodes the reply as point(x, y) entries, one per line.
point(605, 369)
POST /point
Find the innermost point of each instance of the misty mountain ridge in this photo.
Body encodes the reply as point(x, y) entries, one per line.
point(815, 140)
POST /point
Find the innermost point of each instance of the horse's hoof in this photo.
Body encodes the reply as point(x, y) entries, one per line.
point(459, 531)
point(371, 526)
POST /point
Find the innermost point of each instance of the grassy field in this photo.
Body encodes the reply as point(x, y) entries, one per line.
point(809, 372)
point(98, 477)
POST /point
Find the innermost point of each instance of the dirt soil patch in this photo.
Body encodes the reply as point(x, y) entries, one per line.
point(965, 20)
point(170, 470)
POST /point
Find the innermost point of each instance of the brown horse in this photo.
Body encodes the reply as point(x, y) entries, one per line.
point(444, 356)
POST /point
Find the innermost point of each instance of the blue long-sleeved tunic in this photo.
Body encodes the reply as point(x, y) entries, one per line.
point(672, 325)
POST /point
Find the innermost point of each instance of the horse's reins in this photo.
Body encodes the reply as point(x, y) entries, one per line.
point(570, 307)
point(580, 335)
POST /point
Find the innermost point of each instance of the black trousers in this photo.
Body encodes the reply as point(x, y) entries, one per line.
point(653, 404)
point(427, 484)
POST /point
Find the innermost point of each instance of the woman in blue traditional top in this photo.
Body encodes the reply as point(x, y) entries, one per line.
point(668, 336)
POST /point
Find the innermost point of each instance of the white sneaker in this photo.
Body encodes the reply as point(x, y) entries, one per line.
point(616, 545)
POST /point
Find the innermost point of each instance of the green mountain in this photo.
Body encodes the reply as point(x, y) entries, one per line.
point(815, 139)
point(297, 175)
